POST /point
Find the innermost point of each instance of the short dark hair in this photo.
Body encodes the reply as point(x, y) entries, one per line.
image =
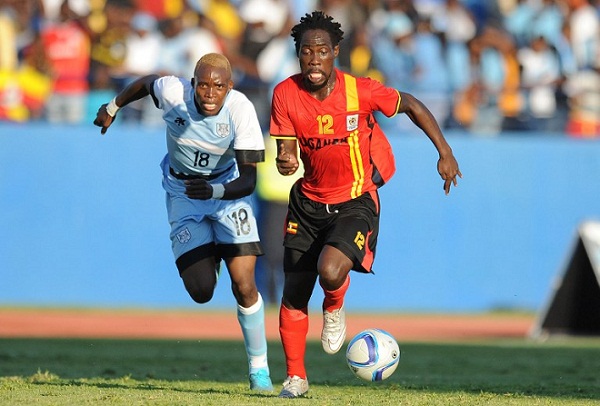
point(317, 21)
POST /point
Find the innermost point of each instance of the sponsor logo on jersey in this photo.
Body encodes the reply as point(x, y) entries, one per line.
point(316, 144)
point(223, 130)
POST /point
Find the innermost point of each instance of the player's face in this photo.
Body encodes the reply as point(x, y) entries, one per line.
point(317, 56)
point(211, 85)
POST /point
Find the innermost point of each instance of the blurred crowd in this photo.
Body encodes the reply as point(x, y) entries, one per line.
point(485, 66)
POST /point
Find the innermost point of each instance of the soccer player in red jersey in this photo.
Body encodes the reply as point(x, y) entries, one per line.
point(333, 212)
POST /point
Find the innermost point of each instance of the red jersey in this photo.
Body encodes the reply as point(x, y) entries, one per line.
point(68, 49)
point(334, 135)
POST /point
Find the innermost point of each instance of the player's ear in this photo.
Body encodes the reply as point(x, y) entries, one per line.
point(192, 81)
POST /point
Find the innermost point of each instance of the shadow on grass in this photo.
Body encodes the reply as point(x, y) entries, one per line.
point(143, 386)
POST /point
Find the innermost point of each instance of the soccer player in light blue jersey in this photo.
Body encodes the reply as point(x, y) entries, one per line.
point(214, 142)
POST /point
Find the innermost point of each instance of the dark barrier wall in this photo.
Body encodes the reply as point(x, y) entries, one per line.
point(83, 222)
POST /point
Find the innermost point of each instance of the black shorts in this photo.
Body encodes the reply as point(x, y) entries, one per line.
point(352, 227)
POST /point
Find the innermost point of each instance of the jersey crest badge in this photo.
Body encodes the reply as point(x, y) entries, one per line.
point(352, 122)
point(223, 130)
point(184, 236)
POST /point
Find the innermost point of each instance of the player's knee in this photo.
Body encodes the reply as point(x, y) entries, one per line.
point(244, 292)
point(201, 294)
point(331, 278)
point(199, 285)
point(333, 268)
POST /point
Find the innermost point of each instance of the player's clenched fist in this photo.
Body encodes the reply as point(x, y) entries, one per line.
point(103, 119)
point(286, 162)
point(198, 189)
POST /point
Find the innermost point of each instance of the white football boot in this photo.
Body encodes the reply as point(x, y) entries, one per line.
point(294, 387)
point(334, 330)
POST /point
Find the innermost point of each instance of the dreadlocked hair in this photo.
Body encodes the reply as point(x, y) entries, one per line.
point(317, 21)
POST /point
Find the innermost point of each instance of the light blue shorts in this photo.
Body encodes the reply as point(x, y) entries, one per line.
point(195, 223)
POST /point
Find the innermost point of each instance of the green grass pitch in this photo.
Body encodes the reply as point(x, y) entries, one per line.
point(187, 372)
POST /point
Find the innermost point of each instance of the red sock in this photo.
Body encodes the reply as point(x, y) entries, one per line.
point(293, 328)
point(334, 299)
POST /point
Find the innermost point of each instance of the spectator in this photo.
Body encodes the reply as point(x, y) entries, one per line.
point(161, 9)
point(432, 83)
point(353, 18)
point(583, 91)
point(426, 8)
point(9, 57)
point(201, 38)
point(394, 58)
point(109, 47)
point(174, 47)
point(582, 86)
point(413, 61)
point(394, 54)
point(518, 20)
point(264, 21)
point(300, 7)
point(143, 46)
point(143, 51)
point(25, 82)
point(181, 43)
point(491, 103)
point(540, 80)
point(456, 26)
point(226, 20)
point(27, 17)
point(247, 32)
point(584, 33)
point(548, 22)
point(67, 46)
point(81, 8)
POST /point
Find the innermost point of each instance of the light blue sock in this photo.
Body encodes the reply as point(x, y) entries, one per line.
point(252, 321)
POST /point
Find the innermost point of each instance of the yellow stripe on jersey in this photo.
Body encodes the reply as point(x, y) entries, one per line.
point(358, 168)
point(357, 165)
point(283, 137)
point(351, 93)
point(399, 102)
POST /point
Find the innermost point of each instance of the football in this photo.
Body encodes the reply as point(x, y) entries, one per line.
point(373, 355)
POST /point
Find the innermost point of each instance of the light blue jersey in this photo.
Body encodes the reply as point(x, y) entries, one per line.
point(206, 145)
point(198, 144)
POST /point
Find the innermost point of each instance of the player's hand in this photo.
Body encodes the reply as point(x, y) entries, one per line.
point(198, 189)
point(286, 162)
point(448, 170)
point(103, 119)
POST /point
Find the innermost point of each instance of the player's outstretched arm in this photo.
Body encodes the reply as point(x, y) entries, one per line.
point(136, 90)
point(420, 115)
